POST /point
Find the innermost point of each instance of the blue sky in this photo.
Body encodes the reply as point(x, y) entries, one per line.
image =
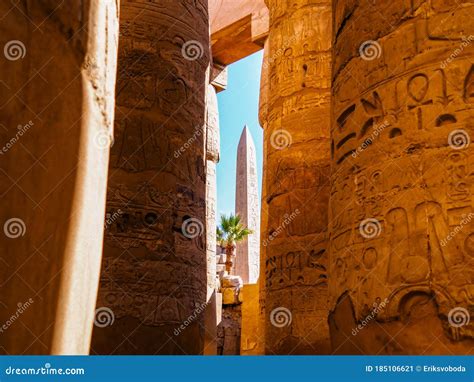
point(238, 105)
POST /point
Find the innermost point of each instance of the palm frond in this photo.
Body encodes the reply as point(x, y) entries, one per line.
point(220, 236)
point(231, 230)
point(242, 234)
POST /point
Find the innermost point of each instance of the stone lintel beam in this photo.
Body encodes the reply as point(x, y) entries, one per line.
point(238, 29)
point(219, 77)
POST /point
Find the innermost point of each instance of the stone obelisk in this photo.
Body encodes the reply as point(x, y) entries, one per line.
point(247, 262)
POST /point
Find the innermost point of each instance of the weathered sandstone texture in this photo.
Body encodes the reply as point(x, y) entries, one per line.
point(229, 329)
point(57, 81)
point(263, 120)
point(251, 337)
point(296, 188)
point(402, 253)
point(212, 158)
point(154, 268)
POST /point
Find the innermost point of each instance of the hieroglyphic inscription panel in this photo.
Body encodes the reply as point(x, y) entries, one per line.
point(401, 194)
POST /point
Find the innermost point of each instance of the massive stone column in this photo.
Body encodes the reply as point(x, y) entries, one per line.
point(247, 259)
point(57, 82)
point(263, 120)
point(153, 281)
point(296, 194)
point(402, 250)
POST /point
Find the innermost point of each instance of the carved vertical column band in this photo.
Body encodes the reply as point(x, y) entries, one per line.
point(297, 158)
point(212, 158)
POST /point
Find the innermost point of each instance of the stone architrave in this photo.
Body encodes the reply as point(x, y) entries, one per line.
point(402, 233)
point(154, 268)
point(57, 87)
point(297, 166)
point(247, 259)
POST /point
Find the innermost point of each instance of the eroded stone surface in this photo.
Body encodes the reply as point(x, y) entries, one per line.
point(57, 84)
point(229, 330)
point(400, 217)
point(401, 197)
point(154, 269)
point(297, 156)
point(252, 340)
point(212, 157)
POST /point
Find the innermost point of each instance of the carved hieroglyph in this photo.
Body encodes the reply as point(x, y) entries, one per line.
point(296, 189)
point(401, 224)
point(263, 120)
point(212, 158)
point(247, 260)
point(57, 81)
point(154, 269)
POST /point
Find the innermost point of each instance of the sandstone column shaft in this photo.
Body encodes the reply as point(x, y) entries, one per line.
point(401, 178)
point(296, 191)
point(212, 158)
point(154, 269)
point(56, 111)
point(263, 120)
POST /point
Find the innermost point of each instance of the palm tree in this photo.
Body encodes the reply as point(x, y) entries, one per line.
point(230, 232)
point(220, 237)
